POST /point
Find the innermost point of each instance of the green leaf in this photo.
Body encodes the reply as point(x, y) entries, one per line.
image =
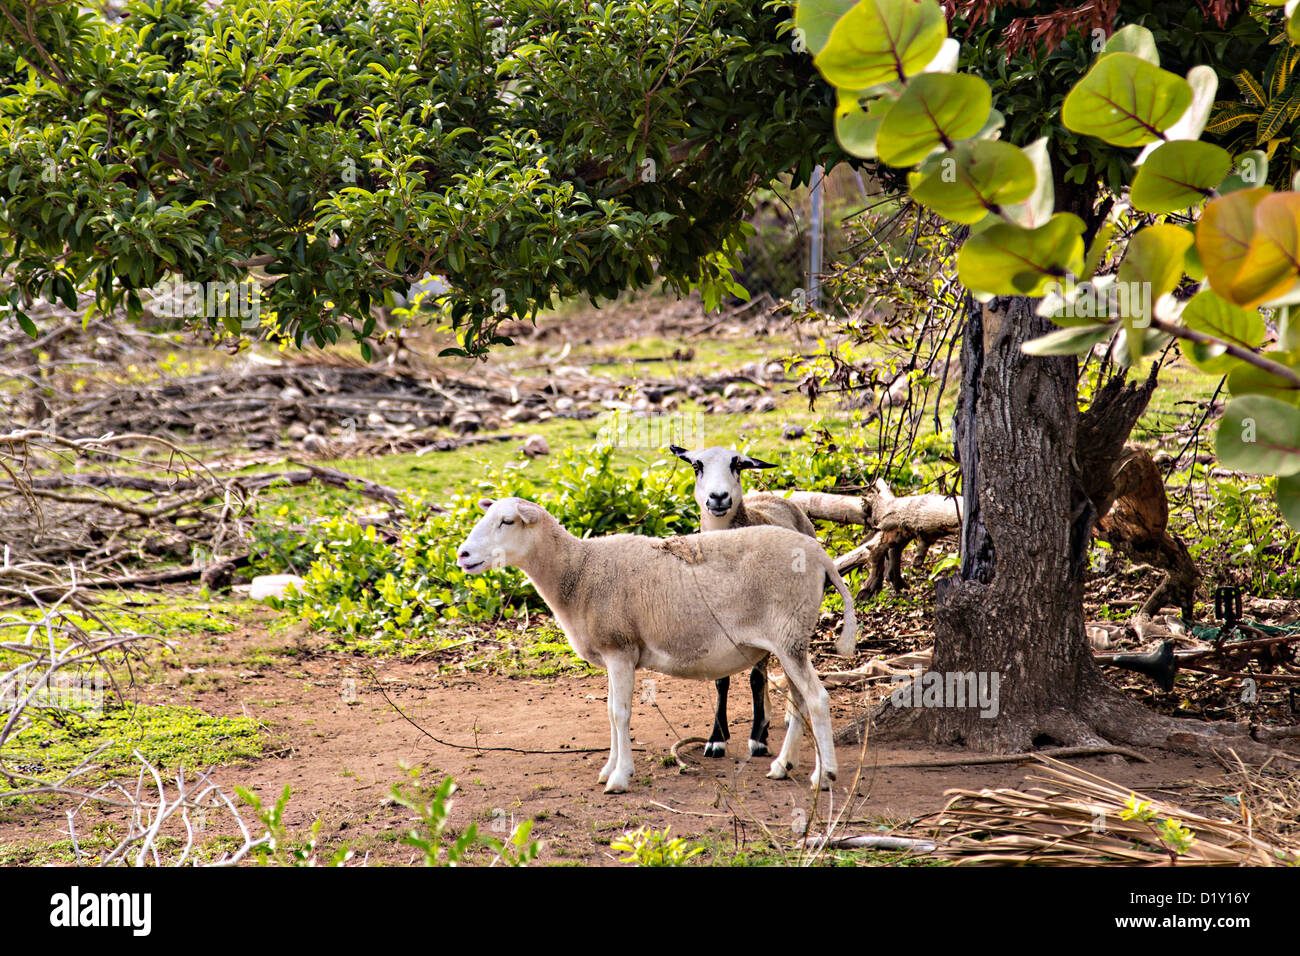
point(1097, 249)
point(857, 129)
point(1204, 83)
point(1288, 497)
point(1247, 379)
point(1260, 436)
point(1040, 204)
point(975, 179)
point(879, 41)
point(1209, 313)
point(1010, 260)
point(1155, 256)
point(1250, 170)
point(1126, 101)
point(1076, 341)
point(1178, 174)
point(1134, 39)
point(1152, 266)
point(26, 324)
point(814, 19)
point(936, 109)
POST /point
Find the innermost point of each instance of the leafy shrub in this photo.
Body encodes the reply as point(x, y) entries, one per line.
point(653, 848)
point(432, 810)
point(365, 583)
point(1241, 535)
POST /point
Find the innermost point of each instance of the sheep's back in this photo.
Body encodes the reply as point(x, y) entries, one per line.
point(682, 588)
point(765, 508)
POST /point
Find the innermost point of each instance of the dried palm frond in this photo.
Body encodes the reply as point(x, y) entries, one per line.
point(1270, 795)
point(1089, 820)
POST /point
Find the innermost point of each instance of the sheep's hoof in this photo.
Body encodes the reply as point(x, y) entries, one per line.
point(715, 748)
point(758, 749)
point(822, 781)
point(604, 774)
point(780, 769)
point(616, 786)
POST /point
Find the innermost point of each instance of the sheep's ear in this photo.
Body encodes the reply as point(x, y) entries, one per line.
point(486, 503)
point(680, 452)
point(529, 513)
point(746, 462)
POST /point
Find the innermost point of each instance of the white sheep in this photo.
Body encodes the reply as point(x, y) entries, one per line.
point(701, 606)
point(723, 502)
point(723, 506)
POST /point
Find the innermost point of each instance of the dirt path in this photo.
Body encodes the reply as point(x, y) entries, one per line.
point(340, 743)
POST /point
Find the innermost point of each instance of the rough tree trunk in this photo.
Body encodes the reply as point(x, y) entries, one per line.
point(1016, 608)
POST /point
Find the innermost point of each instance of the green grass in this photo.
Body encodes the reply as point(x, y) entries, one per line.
point(99, 842)
point(166, 735)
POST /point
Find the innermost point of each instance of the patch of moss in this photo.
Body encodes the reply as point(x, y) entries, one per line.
point(168, 736)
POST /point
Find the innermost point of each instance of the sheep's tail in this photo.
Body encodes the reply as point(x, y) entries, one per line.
point(846, 643)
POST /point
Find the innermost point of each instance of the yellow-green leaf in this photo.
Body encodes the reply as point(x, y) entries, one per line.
point(1126, 101)
point(976, 178)
point(936, 109)
point(882, 40)
point(1010, 260)
point(1177, 175)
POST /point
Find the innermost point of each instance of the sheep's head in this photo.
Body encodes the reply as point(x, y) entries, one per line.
point(502, 536)
point(717, 477)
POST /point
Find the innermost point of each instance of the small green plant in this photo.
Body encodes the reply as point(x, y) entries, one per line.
point(1177, 838)
point(653, 848)
point(278, 848)
point(429, 836)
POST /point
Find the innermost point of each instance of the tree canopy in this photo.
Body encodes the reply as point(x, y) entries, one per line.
point(525, 149)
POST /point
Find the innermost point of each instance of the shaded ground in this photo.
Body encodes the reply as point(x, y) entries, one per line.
point(338, 743)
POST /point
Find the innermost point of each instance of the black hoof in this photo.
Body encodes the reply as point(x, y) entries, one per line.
point(758, 749)
point(715, 748)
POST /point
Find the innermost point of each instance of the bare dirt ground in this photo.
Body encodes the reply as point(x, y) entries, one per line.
point(339, 743)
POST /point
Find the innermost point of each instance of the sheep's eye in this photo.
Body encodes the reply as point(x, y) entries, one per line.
point(507, 520)
point(734, 463)
point(699, 468)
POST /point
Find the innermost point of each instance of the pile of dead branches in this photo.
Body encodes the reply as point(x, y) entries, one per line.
point(85, 513)
point(1082, 819)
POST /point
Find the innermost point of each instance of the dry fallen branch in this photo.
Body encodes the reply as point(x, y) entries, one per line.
point(1085, 819)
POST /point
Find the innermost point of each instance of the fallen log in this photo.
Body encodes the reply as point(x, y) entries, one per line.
point(897, 523)
point(1134, 523)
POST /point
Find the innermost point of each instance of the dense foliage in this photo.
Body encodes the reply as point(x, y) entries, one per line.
point(526, 149)
point(901, 102)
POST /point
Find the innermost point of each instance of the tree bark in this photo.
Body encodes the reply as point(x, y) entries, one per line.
point(1015, 610)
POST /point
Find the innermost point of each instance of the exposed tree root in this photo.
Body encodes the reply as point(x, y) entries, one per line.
point(1058, 753)
point(1108, 724)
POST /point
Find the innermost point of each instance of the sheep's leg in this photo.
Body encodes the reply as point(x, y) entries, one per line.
point(758, 734)
point(606, 770)
point(717, 743)
point(622, 678)
point(813, 701)
point(788, 758)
